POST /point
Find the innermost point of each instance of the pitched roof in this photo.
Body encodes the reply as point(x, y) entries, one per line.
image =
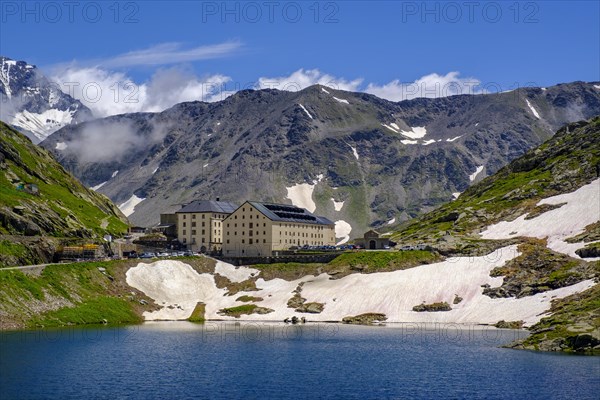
point(288, 213)
point(201, 206)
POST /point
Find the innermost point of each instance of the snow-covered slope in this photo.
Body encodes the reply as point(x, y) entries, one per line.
point(177, 288)
point(33, 104)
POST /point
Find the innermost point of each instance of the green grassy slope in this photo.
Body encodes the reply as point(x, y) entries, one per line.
point(63, 207)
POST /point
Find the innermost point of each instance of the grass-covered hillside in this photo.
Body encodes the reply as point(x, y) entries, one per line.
point(58, 206)
point(563, 164)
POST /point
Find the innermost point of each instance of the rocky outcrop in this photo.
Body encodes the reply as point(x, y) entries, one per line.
point(573, 326)
point(365, 319)
point(434, 307)
point(311, 308)
point(509, 324)
point(538, 269)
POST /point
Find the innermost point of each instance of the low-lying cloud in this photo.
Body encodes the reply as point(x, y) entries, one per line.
point(111, 141)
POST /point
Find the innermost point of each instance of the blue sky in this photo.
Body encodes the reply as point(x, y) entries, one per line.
point(503, 43)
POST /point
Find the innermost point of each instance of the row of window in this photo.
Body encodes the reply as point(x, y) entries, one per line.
point(219, 216)
point(216, 232)
point(250, 225)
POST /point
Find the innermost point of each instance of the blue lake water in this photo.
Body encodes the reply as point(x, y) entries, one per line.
point(180, 360)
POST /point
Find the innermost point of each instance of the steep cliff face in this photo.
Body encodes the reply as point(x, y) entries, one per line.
point(349, 156)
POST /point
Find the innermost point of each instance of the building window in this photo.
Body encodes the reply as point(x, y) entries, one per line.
point(264, 225)
point(235, 233)
point(184, 216)
point(203, 232)
point(184, 232)
point(202, 216)
point(264, 232)
point(250, 225)
point(242, 241)
point(193, 224)
point(264, 240)
point(202, 240)
point(228, 225)
point(249, 241)
point(227, 241)
point(184, 224)
point(249, 233)
point(243, 209)
point(193, 231)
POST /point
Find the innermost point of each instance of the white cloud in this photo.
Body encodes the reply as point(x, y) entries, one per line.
point(302, 78)
point(432, 85)
point(108, 93)
point(170, 53)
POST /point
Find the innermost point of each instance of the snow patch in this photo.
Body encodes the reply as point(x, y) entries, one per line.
point(456, 194)
point(407, 141)
point(177, 287)
point(390, 128)
point(114, 174)
point(454, 138)
point(306, 111)
point(544, 89)
point(341, 100)
point(474, 174)
point(533, 110)
point(581, 209)
point(354, 152)
point(43, 124)
point(428, 142)
point(233, 273)
point(597, 86)
point(477, 124)
point(323, 89)
point(205, 165)
point(155, 169)
point(416, 132)
point(391, 221)
point(301, 195)
point(61, 146)
point(342, 230)
point(337, 205)
point(128, 207)
point(94, 188)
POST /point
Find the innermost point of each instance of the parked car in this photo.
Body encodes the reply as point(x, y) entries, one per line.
point(147, 255)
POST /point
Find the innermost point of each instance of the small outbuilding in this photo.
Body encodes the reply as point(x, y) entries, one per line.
point(373, 241)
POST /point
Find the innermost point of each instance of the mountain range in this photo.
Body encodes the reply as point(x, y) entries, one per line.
point(33, 104)
point(355, 158)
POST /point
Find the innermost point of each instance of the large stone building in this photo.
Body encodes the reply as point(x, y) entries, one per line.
point(200, 224)
point(259, 229)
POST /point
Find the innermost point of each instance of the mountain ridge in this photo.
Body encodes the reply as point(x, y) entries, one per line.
point(370, 153)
